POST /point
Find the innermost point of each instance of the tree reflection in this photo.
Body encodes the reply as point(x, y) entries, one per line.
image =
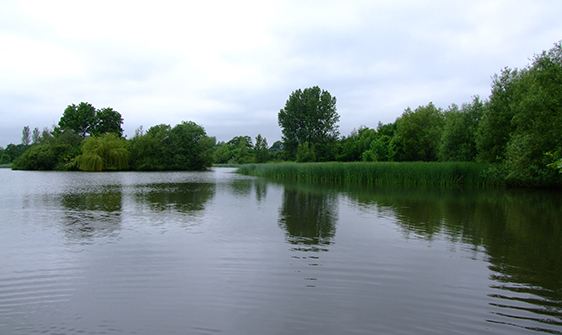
point(184, 198)
point(91, 215)
point(260, 186)
point(520, 231)
point(309, 217)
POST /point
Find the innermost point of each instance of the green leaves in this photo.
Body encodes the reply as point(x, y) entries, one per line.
point(458, 142)
point(309, 116)
point(261, 150)
point(84, 120)
point(419, 133)
point(184, 147)
point(108, 121)
point(80, 119)
point(522, 121)
point(104, 153)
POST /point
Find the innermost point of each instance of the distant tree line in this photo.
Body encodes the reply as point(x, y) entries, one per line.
point(518, 129)
point(89, 139)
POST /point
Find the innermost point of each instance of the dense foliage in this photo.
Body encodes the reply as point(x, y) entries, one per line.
point(103, 153)
point(183, 147)
point(85, 120)
point(310, 116)
point(91, 140)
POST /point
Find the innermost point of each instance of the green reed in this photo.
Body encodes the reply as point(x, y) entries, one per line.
point(376, 173)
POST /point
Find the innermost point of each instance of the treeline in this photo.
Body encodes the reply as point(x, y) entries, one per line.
point(89, 139)
point(518, 129)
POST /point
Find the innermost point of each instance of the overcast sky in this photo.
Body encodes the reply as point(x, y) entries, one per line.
point(231, 65)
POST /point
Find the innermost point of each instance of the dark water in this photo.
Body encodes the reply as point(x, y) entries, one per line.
point(213, 252)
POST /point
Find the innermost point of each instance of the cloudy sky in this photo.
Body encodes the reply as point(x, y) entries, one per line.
point(231, 65)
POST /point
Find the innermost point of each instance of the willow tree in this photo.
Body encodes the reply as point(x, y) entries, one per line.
point(104, 153)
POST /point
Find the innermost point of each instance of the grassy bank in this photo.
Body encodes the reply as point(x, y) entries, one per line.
point(377, 173)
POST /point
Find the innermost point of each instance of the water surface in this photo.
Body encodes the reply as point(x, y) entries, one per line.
point(215, 252)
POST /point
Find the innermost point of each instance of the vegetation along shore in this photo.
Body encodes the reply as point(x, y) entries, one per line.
point(513, 138)
point(378, 173)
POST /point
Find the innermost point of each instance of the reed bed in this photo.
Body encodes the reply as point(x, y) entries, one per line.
point(376, 173)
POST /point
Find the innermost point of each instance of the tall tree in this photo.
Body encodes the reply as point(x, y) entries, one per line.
point(80, 119)
point(25, 136)
point(495, 129)
point(108, 121)
point(309, 116)
point(85, 120)
point(261, 149)
point(35, 136)
point(537, 118)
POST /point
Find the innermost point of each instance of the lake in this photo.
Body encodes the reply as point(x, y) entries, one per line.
point(215, 252)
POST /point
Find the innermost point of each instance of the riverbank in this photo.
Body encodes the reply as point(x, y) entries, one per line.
point(378, 173)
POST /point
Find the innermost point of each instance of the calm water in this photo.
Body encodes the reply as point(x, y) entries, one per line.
point(214, 252)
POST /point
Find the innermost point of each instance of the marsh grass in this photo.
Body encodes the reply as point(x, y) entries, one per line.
point(376, 173)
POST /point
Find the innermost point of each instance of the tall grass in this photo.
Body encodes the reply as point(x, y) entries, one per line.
point(376, 173)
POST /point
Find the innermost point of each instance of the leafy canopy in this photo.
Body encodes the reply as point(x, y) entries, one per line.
point(309, 116)
point(85, 120)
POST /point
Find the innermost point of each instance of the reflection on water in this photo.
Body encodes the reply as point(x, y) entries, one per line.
point(520, 230)
point(89, 215)
point(201, 253)
point(181, 197)
point(308, 217)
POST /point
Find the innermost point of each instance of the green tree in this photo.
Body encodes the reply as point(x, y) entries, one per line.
point(309, 116)
point(261, 149)
point(38, 157)
point(276, 151)
point(353, 146)
point(537, 118)
point(51, 153)
point(223, 153)
point(148, 151)
point(419, 133)
point(458, 142)
point(378, 150)
point(81, 119)
point(35, 135)
point(305, 153)
point(14, 151)
point(189, 147)
point(240, 150)
point(108, 121)
point(45, 136)
point(494, 131)
point(85, 120)
point(5, 159)
point(25, 136)
point(107, 152)
point(383, 148)
point(242, 156)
